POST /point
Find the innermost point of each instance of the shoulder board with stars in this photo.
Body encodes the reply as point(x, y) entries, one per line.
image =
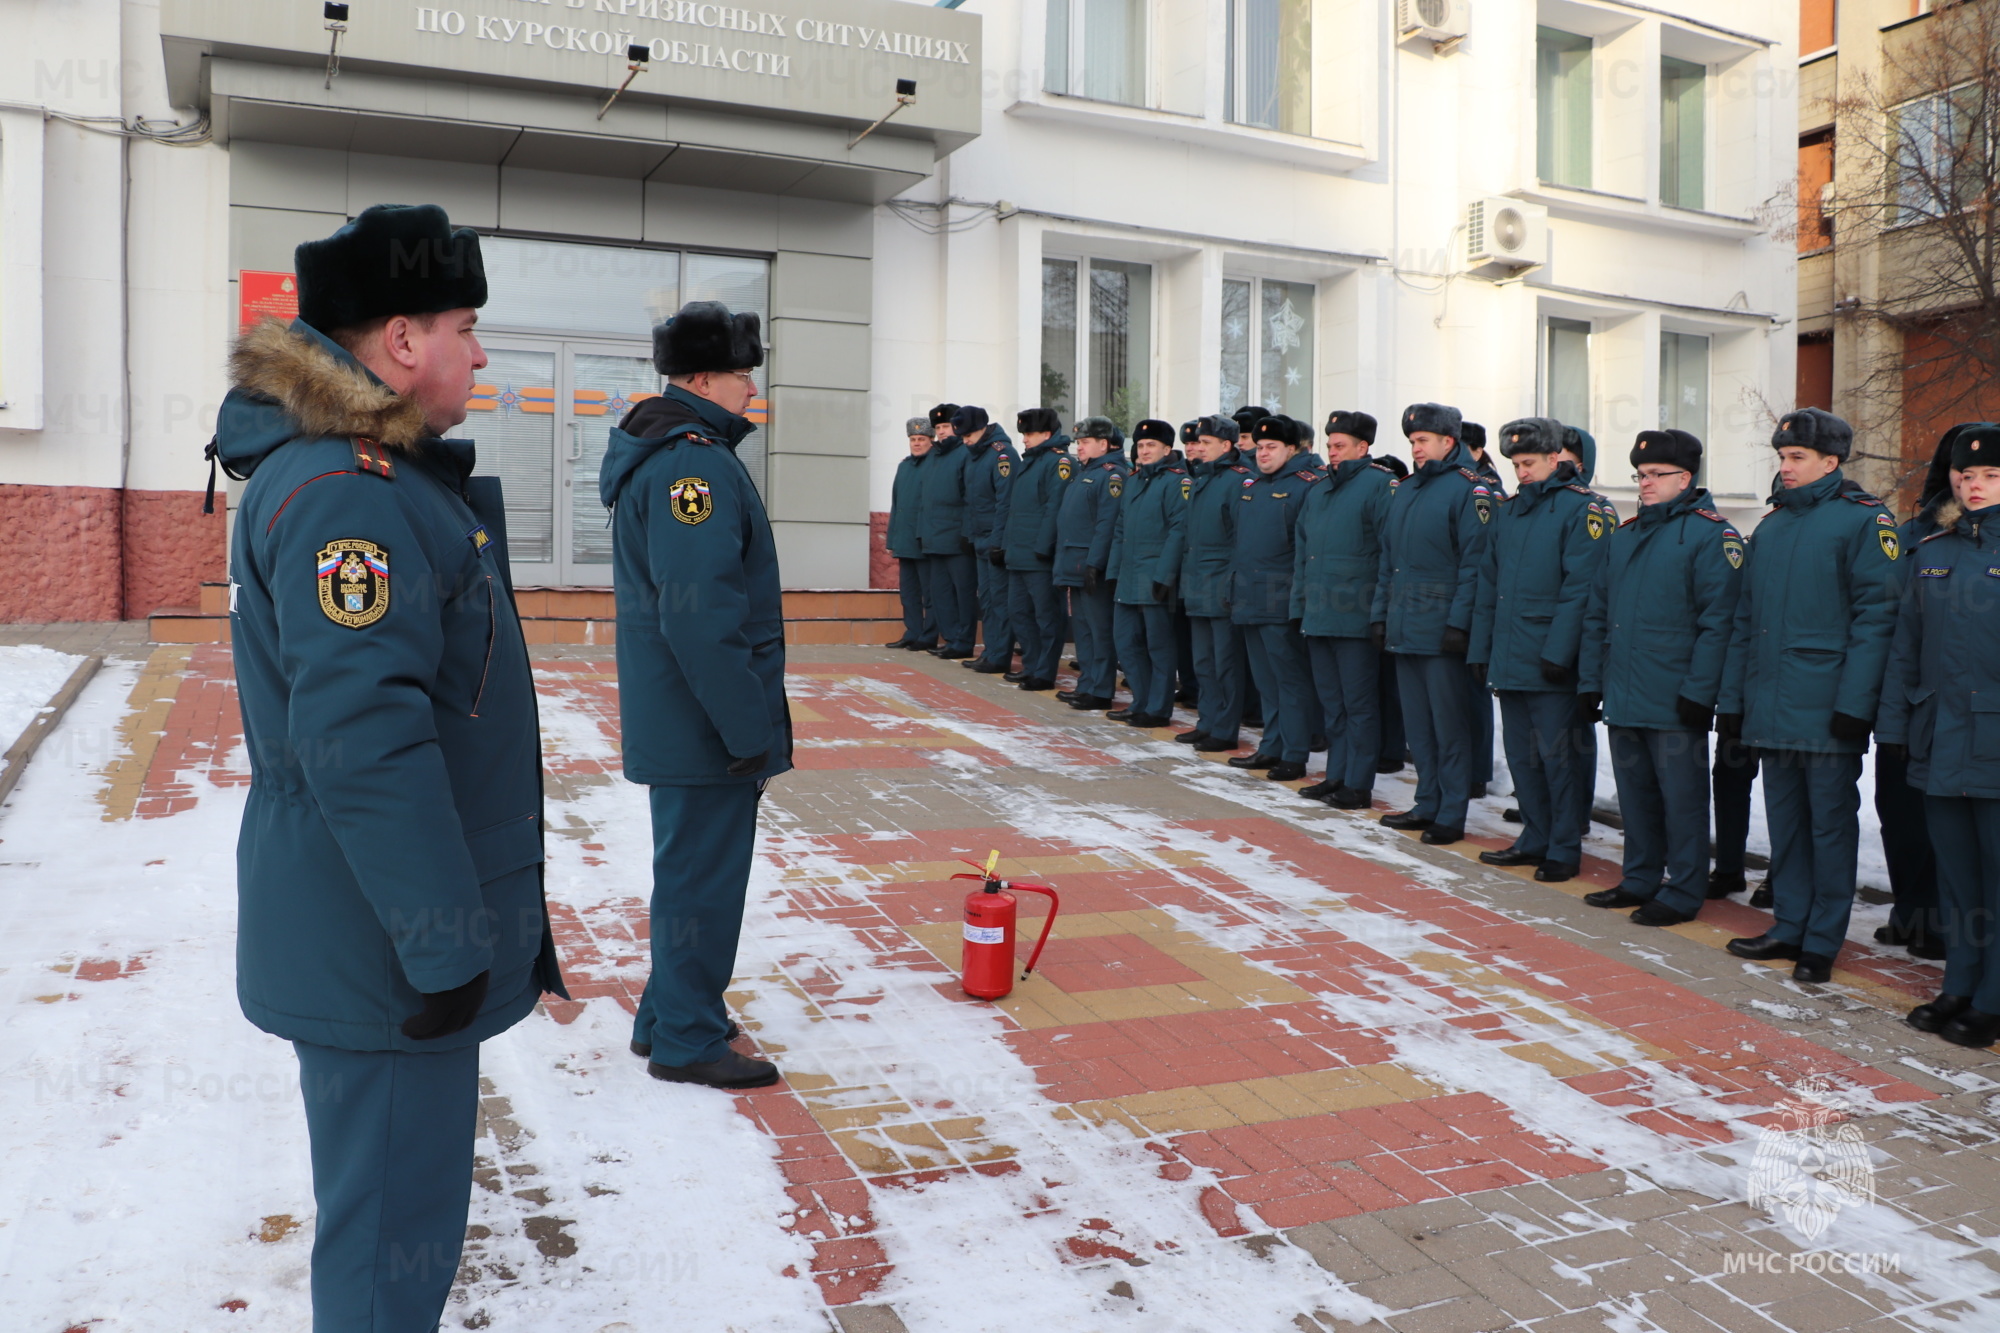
point(1581, 490)
point(1472, 476)
point(1306, 474)
point(1380, 468)
point(1941, 532)
point(1711, 516)
point(1630, 521)
point(1238, 467)
point(368, 457)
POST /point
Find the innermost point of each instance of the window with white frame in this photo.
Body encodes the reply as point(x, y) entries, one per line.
point(1684, 383)
point(1562, 107)
point(1683, 91)
point(1937, 151)
point(1097, 49)
point(1108, 370)
point(1566, 371)
point(1268, 79)
point(1267, 345)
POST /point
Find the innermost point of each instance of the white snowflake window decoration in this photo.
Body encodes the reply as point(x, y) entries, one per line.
point(1285, 325)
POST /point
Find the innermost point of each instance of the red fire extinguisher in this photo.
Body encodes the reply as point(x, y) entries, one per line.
point(987, 969)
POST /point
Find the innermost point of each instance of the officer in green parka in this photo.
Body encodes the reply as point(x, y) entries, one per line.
point(389, 886)
point(1217, 474)
point(1336, 559)
point(701, 676)
point(1146, 539)
point(1814, 624)
point(1941, 714)
point(1540, 565)
point(1655, 640)
point(1024, 526)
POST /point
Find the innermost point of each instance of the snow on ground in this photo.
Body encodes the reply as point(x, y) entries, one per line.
point(29, 677)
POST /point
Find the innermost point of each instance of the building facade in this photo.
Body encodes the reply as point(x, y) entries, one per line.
point(1132, 207)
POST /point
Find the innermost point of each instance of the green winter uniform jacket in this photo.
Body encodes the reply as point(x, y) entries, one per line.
point(1815, 618)
point(1209, 542)
point(1146, 536)
point(1658, 623)
point(1024, 510)
point(1338, 540)
point(392, 840)
point(1541, 562)
point(701, 620)
point(1433, 544)
point(1942, 693)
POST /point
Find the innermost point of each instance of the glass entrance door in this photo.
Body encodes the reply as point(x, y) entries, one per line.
point(541, 416)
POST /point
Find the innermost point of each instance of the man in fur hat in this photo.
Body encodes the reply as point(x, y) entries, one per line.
point(701, 676)
point(390, 910)
point(1814, 624)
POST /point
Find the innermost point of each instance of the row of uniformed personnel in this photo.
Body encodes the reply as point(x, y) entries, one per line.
point(1313, 577)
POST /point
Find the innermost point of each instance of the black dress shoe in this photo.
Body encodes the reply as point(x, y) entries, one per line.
point(1350, 798)
point(1512, 856)
point(733, 1070)
point(644, 1049)
point(1762, 898)
point(1119, 714)
point(1065, 695)
point(1655, 913)
point(1405, 819)
point(1036, 683)
point(1253, 761)
point(1761, 948)
point(1389, 766)
point(1973, 1029)
point(1512, 814)
point(1254, 723)
point(1217, 744)
point(1614, 897)
point(1015, 677)
point(1933, 1016)
point(1925, 946)
point(1438, 835)
point(899, 643)
point(1478, 791)
point(1089, 703)
point(1320, 790)
point(1075, 665)
point(954, 654)
point(1812, 969)
point(1722, 883)
point(1187, 698)
point(1191, 738)
point(1148, 720)
point(1556, 872)
point(1286, 770)
point(988, 668)
point(919, 646)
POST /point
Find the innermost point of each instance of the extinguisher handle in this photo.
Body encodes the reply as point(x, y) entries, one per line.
point(1055, 906)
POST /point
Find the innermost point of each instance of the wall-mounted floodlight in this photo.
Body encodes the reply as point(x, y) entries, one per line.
point(336, 23)
point(638, 55)
point(906, 95)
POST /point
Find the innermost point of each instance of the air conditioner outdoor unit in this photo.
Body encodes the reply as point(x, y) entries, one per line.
point(1506, 231)
point(1442, 23)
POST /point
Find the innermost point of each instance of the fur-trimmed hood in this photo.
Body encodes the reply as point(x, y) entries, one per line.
point(292, 382)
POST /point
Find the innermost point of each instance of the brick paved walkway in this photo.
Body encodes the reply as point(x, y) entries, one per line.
point(1262, 1029)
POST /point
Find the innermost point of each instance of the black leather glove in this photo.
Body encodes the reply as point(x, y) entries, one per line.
point(1555, 673)
point(965, 546)
point(1091, 575)
point(1894, 749)
point(1162, 591)
point(1729, 726)
point(998, 557)
point(1378, 634)
point(1478, 670)
point(1591, 705)
point(447, 1011)
point(1693, 716)
point(743, 768)
point(1455, 641)
point(1849, 728)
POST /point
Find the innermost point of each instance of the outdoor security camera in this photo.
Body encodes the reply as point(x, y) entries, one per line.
point(638, 54)
point(904, 87)
point(336, 13)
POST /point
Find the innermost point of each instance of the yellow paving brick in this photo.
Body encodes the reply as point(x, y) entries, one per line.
point(1406, 1085)
point(868, 1152)
point(1245, 1101)
point(832, 1117)
point(1559, 1063)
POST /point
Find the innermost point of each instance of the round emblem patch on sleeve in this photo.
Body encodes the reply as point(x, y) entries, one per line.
point(692, 502)
point(353, 578)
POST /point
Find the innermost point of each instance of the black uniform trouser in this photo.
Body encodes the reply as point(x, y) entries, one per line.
point(955, 599)
point(1663, 795)
point(1344, 676)
point(1436, 689)
point(1965, 831)
point(1185, 691)
point(1218, 666)
point(1090, 617)
point(1734, 772)
point(1039, 619)
point(1395, 741)
point(1583, 742)
point(1539, 728)
point(1812, 805)
point(1906, 844)
point(919, 625)
point(1145, 637)
point(1481, 710)
point(995, 614)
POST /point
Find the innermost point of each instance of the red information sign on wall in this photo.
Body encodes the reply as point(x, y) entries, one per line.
point(275, 295)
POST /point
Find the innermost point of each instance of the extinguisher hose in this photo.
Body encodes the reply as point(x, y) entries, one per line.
point(1055, 905)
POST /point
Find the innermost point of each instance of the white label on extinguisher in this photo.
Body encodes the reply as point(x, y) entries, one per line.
point(985, 934)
